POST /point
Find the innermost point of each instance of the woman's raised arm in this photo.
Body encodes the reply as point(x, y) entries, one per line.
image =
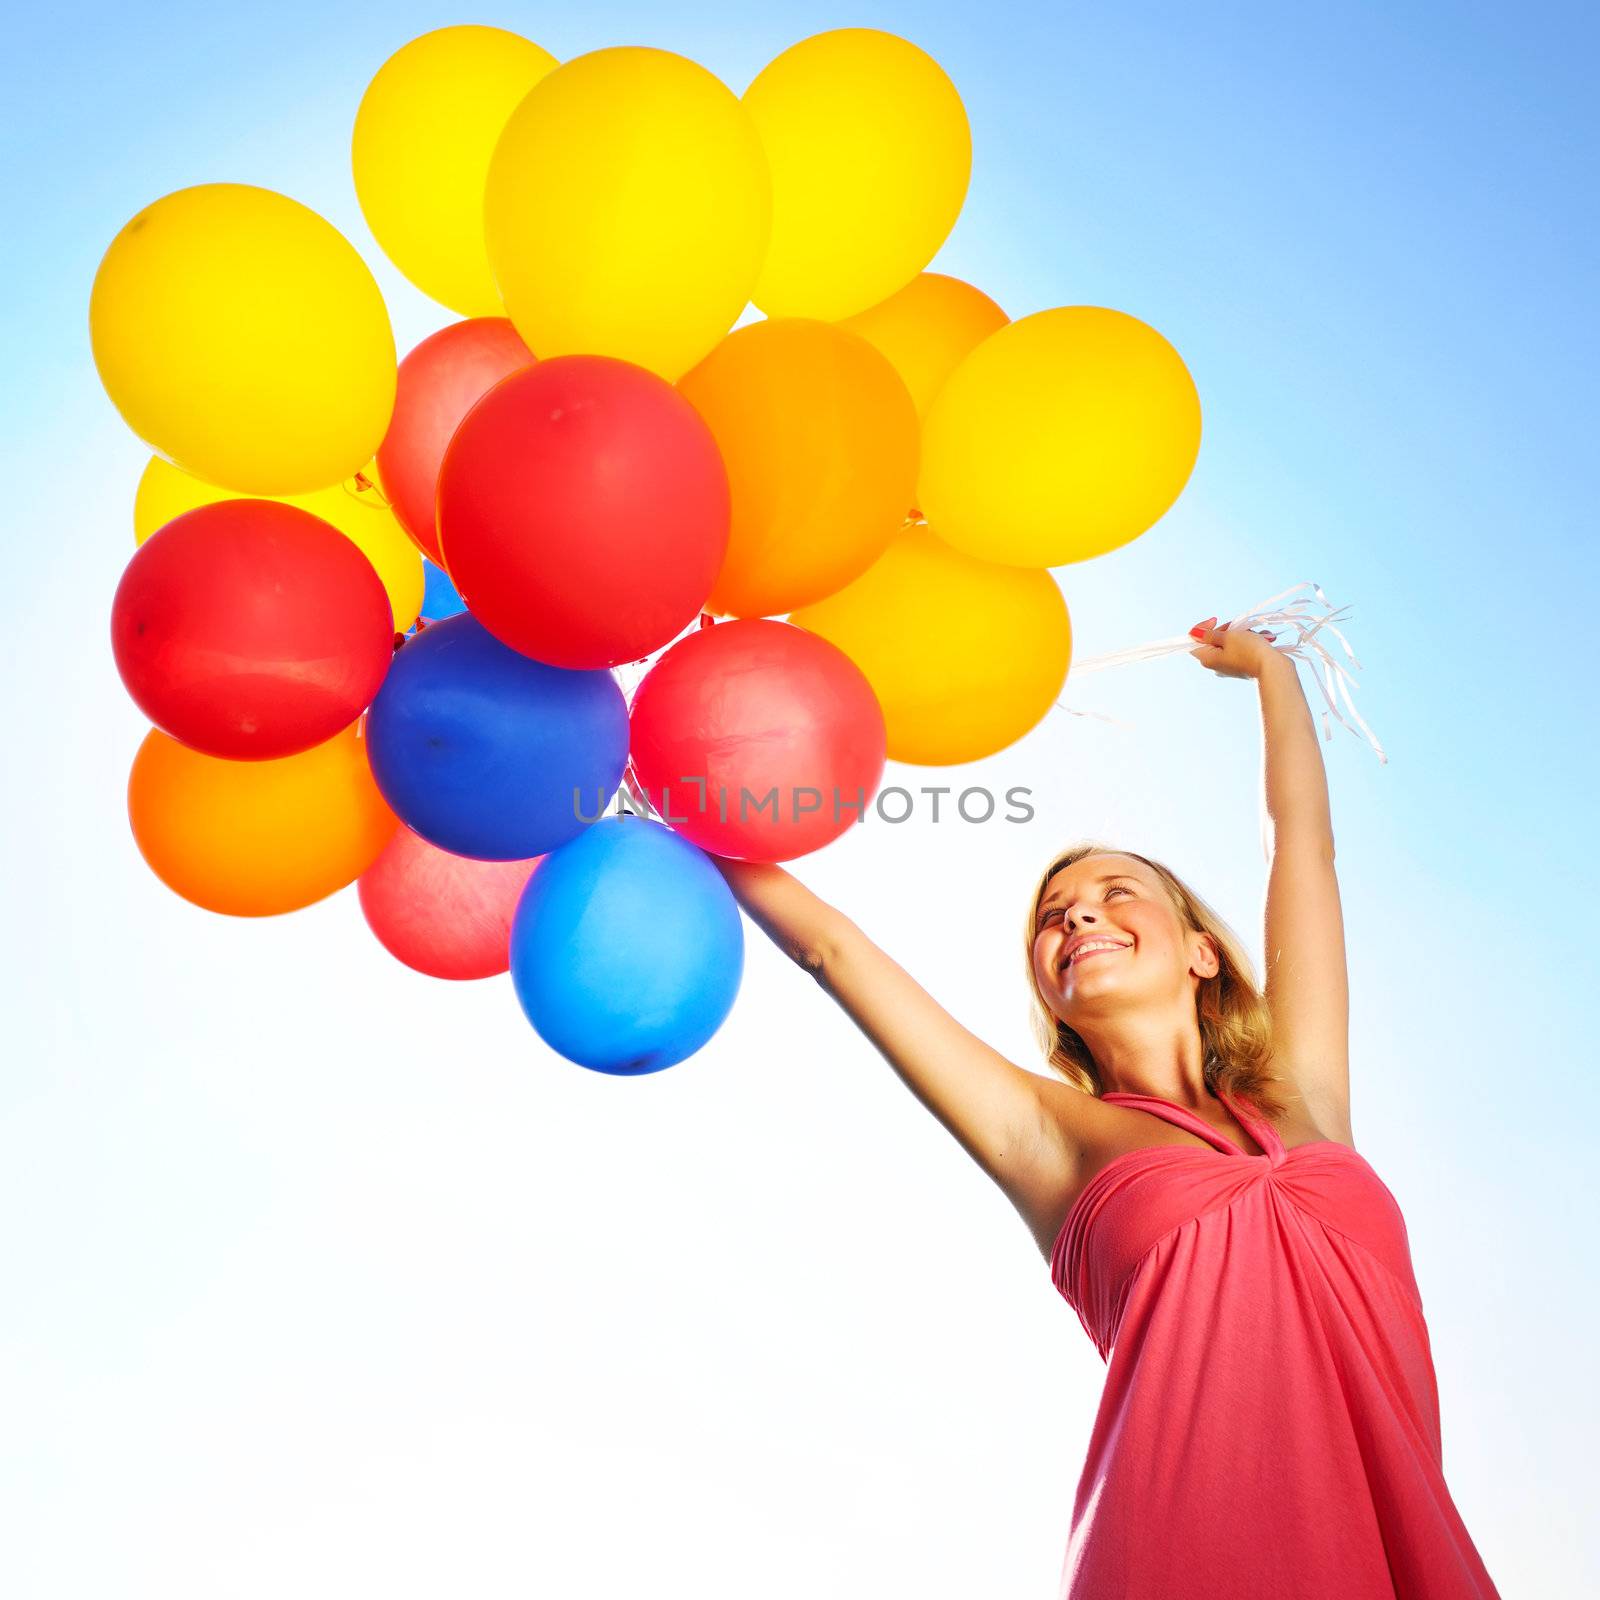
point(802, 924)
point(1307, 989)
point(997, 1111)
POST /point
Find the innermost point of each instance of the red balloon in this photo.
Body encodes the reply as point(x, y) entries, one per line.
point(251, 629)
point(757, 739)
point(442, 914)
point(440, 382)
point(583, 511)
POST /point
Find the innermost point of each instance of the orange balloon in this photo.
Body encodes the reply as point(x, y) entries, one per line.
point(926, 328)
point(820, 439)
point(257, 838)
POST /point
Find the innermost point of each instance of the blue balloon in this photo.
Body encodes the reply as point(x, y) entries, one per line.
point(439, 597)
point(627, 949)
point(488, 753)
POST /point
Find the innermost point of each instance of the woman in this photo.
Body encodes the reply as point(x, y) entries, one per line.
point(1270, 1422)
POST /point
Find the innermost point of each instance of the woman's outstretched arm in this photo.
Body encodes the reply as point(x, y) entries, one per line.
point(1307, 987)
point(995, 1109)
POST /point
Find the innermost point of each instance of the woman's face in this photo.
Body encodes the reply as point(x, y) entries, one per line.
point(1117, 901)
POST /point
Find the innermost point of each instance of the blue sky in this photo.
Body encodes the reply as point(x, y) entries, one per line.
point(287, 1227)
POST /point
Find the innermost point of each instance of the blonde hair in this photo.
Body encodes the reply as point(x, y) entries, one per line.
point(1235, 1025)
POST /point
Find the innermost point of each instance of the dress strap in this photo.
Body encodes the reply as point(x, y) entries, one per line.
point(1260, 1130)
point(1256, 1126)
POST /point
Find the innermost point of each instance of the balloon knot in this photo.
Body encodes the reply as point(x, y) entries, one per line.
point(360, 487)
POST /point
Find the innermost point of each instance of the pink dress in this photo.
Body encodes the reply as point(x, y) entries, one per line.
point(1270, 1420)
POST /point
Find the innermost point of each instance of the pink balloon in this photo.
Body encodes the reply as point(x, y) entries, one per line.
point(440, 382)
point(441, 914)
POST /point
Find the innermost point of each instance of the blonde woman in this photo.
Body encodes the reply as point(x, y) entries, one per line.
point(1270, 1421)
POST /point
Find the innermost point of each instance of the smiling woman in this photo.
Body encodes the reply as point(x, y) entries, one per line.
point(1147, 908)
point(1191, 1178)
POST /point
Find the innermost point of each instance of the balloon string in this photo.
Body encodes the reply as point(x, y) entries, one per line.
point(1330, 675)
point(637, 797)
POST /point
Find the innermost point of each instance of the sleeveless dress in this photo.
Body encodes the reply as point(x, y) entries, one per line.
point(1270, 1420)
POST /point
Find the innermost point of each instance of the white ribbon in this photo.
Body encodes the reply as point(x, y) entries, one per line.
point(1330, 674)
point(1300, 615)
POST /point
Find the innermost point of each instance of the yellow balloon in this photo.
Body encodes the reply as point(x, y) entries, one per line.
point(926, 328)
point(241, 336)
point(1061, 436)
point(965, 656)
point(819, 437)
point(355, 508)
point(424, 133)
point(627, 210)
point(870, 154)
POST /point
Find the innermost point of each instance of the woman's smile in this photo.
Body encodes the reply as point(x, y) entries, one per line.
point(1094, 945)
point(1093, 950)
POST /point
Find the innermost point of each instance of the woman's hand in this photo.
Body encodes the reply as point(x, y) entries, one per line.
point(1246, 653)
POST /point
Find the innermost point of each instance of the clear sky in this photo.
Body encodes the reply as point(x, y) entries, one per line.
point(326, 1278)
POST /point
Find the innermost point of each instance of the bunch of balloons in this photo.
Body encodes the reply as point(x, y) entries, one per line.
point(380, 610)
